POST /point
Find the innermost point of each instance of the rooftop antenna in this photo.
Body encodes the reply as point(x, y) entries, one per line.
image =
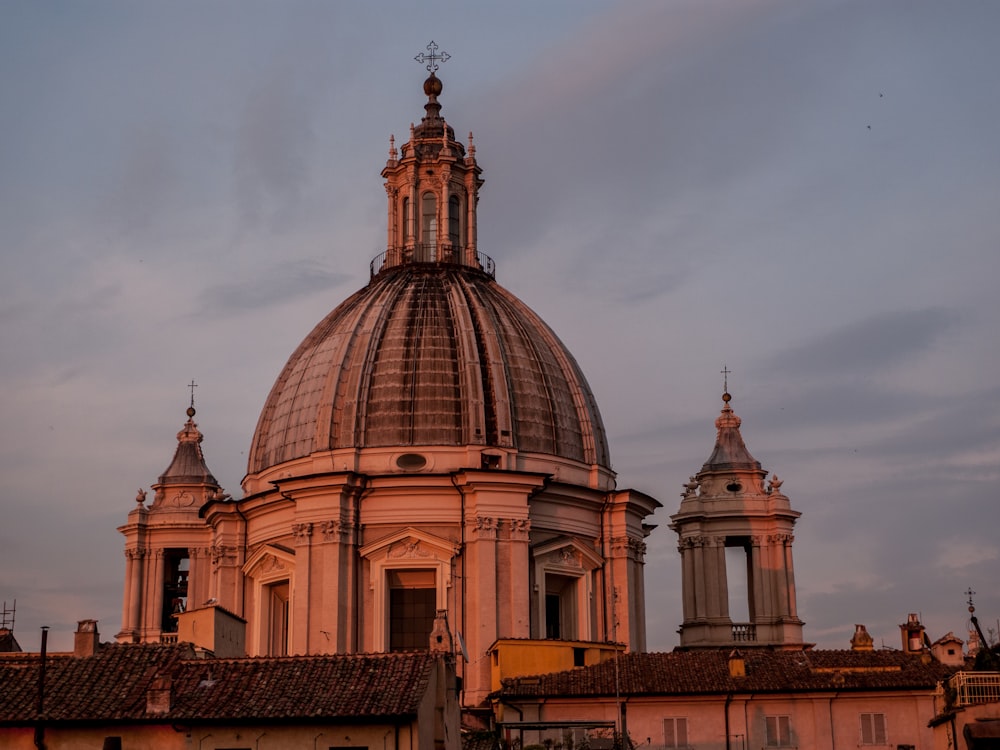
point(7, 616)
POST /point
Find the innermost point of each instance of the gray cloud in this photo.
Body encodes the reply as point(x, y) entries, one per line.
point(273, 143)
point(274, 285)
point(881, 340)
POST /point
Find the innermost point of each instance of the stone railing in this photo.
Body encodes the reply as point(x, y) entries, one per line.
point(744, 632)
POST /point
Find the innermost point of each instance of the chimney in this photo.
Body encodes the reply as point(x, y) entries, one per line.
point(737, 664)
point(86, 639)
point(862, 640)
point(440, 635)
point(158, 696)
point(912, 632)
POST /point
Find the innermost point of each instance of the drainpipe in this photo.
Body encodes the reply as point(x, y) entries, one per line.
point(462, 552)
point(746, 721)
point(833, 743)
point(39, 726)
point(729, 699)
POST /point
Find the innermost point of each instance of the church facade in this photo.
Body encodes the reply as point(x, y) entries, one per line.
point(431, 447)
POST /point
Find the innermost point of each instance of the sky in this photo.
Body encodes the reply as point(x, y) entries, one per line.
point(807, 193)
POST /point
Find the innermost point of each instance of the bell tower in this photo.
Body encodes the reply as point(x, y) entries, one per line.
point(730, 505)
point(167, 544)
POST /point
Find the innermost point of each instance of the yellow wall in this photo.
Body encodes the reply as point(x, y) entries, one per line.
point(524, 657)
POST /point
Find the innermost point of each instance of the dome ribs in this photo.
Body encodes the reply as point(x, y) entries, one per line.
point(273, 440)
point(415, 397)
point(429, 355)
point(481, 369)
point(350, 405)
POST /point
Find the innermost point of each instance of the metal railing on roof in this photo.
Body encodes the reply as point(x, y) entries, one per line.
point(437, 254)
point(975, 687)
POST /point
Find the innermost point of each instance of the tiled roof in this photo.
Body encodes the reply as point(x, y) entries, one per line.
point(707, 672)
point(113, 685)
point(109, 685)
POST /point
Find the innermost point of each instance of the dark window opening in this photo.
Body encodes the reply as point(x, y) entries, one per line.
point(277, 634)
point(560, 606)
point(454, 221)
point(175, 587)
point(412, 606)
point(552, 629)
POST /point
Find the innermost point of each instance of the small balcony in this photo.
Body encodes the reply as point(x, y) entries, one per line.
point(744, 632)
point(975, 687)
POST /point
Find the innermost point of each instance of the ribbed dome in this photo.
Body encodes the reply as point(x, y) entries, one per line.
point(430, 354)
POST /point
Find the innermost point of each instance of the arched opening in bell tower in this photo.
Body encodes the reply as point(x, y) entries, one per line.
point(176, 566)
point(739, 579)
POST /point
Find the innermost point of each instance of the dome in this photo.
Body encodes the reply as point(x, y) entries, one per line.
point(430, 354)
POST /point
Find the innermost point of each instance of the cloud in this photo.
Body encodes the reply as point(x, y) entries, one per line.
point(960, 554)
point(273, 143)
point(881, 340)
point(270, 286)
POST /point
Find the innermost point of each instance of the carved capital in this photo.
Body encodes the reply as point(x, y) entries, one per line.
point(626, 546)
point(519, 528)
point(332, 530)
point(486, 527)
point(302, 532)
point(218, 552)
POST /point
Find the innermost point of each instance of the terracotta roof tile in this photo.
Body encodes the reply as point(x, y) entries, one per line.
point(114, 684)
point(707, 672)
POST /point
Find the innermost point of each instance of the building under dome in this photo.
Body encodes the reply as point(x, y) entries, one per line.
point(431, 447)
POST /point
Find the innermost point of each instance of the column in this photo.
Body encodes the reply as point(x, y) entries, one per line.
point(790, 577)
point(154, 617)
point(756, 598)
point(301, 595)
point(701, 594)
point(687, 580)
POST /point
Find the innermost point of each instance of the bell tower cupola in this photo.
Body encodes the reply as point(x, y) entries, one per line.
point(168, 568)
point(731, 515)
point(432, 184)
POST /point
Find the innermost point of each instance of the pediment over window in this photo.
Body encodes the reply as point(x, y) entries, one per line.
point(566, 553)
point(411, 544)
point(269, 561)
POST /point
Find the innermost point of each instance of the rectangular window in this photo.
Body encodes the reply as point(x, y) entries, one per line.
point(675, 732)
point(277, 603)
point(412, 606)
point(778, 731)
point(873, 729)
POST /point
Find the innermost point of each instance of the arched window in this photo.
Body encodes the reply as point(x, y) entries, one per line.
point(407, 233)
point(428, 220)
point(455, 221)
